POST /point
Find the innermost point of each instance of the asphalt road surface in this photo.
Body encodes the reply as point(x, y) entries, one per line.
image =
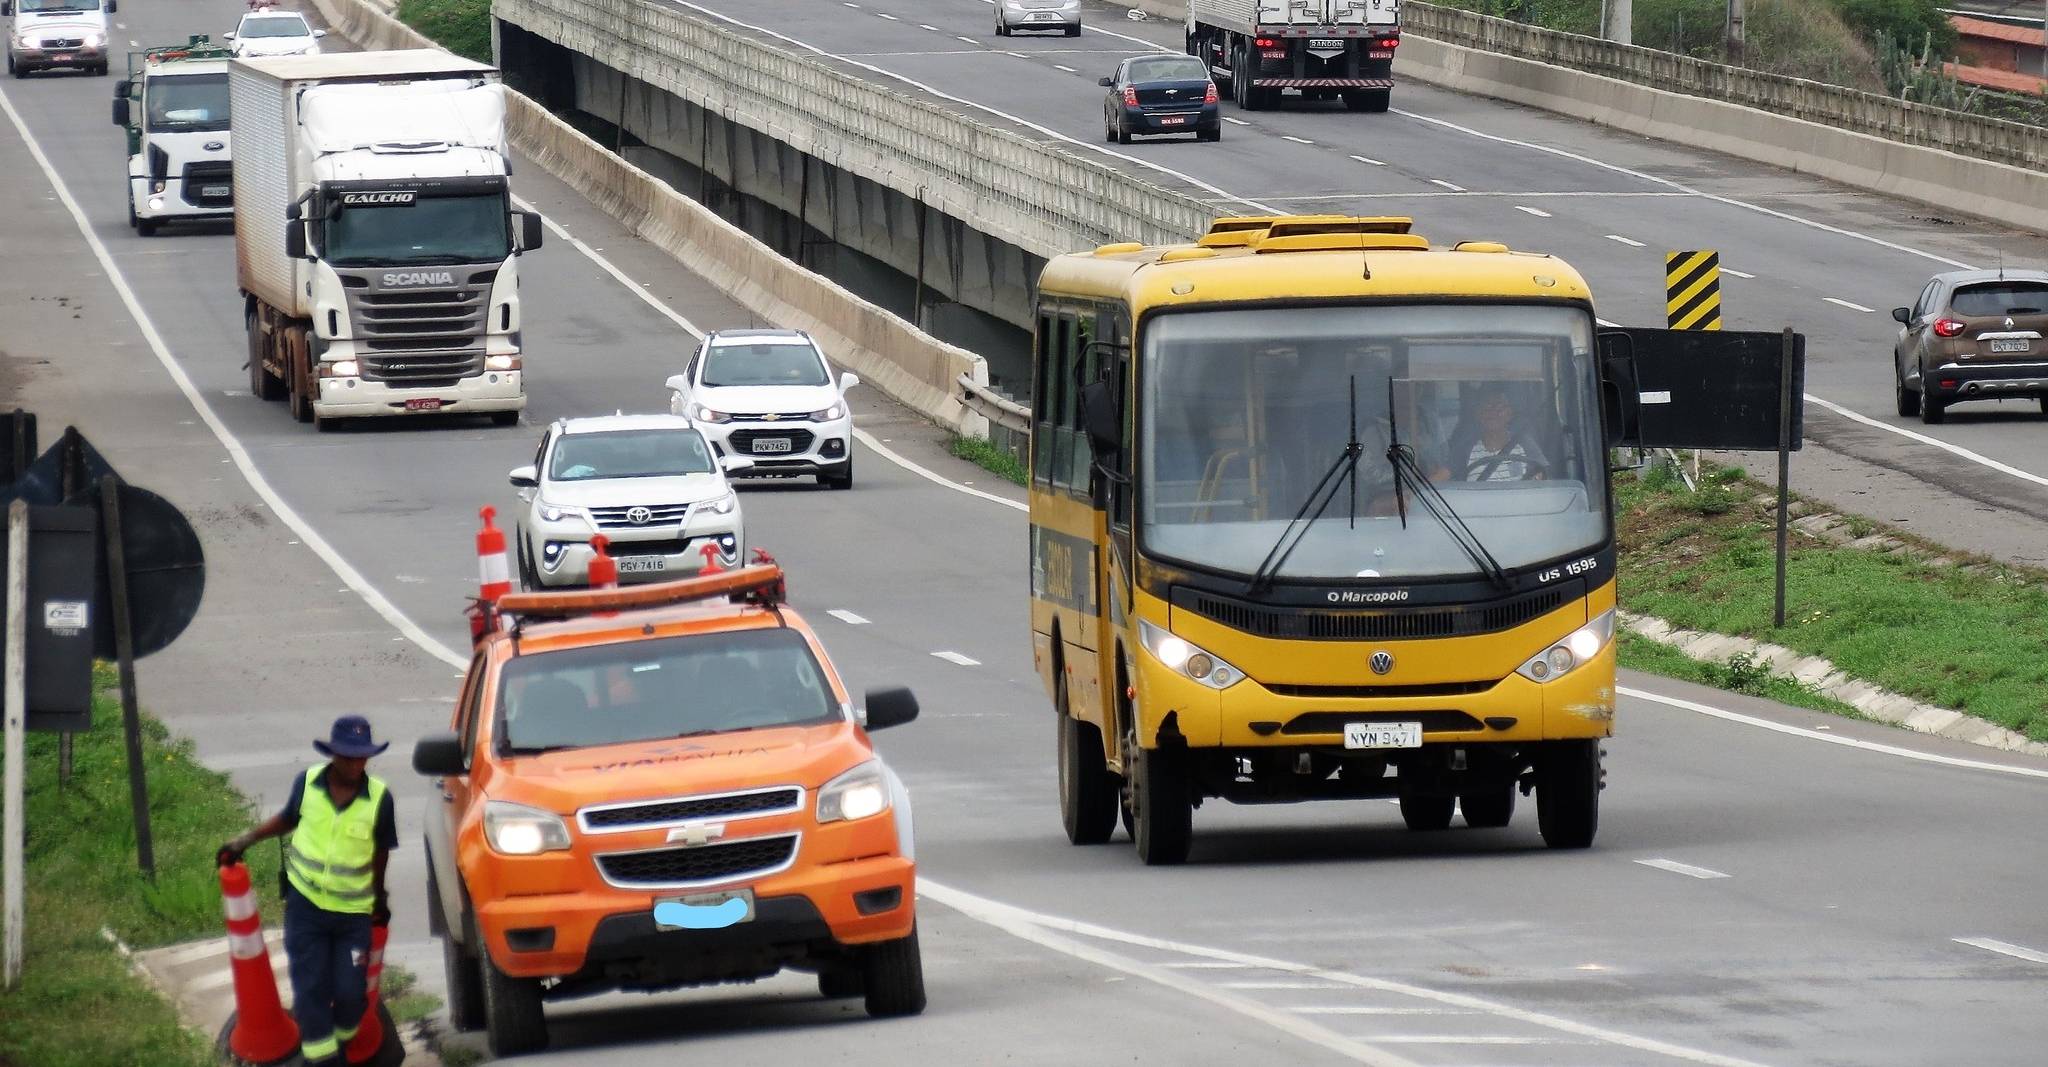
point(1771, 886)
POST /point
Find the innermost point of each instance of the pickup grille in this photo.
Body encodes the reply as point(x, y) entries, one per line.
point(657, 515)
point(701, 865)
point(691, 809)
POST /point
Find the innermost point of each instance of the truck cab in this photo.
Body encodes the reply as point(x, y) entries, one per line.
point(174, 107)
point(659, 786)
point(46, 34)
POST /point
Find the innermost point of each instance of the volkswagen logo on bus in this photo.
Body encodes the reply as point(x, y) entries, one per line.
point(1382, 661)
point(639, 517)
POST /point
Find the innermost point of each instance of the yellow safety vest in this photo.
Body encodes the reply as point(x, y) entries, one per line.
point(328, 856)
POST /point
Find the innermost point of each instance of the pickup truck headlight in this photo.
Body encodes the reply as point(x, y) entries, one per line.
point(1185, 657)
point(856, 794)
point(724, 505)
point(556, 512)
point(1578, 647)
point(517, 830)
point(704, 413)
point(827, 415)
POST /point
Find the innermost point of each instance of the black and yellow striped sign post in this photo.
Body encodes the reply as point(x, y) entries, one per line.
point(1692, 290)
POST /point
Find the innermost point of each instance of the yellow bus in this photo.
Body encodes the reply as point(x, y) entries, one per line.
point(1320, 511)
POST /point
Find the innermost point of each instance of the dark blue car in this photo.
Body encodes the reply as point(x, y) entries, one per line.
point(1160, 94)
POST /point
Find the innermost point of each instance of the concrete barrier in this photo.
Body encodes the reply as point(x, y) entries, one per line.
point(888, 353)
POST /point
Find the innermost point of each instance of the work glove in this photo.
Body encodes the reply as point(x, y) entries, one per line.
point(230, 853)
point(380, 913)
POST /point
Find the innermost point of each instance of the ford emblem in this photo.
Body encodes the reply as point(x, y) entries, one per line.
point(215, 146)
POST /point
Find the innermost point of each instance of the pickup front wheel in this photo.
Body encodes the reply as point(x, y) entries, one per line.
point(513, 1019)
point(893, 973)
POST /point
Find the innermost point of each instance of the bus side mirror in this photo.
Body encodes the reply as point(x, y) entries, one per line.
point(1620, 410)
point(121, 113)
point(529, 231)
point(1099, 418)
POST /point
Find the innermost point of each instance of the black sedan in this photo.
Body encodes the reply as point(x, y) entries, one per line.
point(1160, 94)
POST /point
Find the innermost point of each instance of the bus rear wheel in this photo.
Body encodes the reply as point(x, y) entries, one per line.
point(1568, 781)
point(1087, 790)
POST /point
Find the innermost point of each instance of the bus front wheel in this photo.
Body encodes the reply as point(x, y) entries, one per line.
point(1568, 782)
point(1158, 801)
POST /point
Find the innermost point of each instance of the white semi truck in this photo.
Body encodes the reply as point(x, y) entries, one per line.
point(1257, 49)
point(375, 241)
point(174, 107)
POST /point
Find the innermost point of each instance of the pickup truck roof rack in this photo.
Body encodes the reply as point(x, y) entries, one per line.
point(200, 46)
point(760, 583)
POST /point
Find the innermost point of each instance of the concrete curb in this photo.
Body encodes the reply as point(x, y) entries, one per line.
point(1825, 678)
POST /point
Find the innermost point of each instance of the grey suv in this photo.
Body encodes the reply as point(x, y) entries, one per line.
point(1973, 335)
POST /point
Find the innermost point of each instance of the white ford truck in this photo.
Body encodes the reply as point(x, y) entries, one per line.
point(174, 107)
point(376, 245)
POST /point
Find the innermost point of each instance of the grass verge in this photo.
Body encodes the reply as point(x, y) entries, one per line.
point(461, 26)
point(990, 457)
point(1955, 636)
point(1740, 675)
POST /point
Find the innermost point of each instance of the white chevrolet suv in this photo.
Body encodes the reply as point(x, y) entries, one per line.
point(649, 483)
point(768, 395)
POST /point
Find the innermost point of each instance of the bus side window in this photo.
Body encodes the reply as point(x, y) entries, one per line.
point(1080, 460)
point(1046, 402)
point(1065, 417)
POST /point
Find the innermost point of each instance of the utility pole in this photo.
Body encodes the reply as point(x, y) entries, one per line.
point(1735, 33)
point(1618, 21)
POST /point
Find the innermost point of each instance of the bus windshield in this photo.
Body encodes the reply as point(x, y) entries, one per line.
point(1243, 412)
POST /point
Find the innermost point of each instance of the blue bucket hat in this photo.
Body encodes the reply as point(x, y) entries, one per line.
point(350, 739)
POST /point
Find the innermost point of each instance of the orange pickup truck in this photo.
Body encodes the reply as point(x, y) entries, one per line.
point(662, 786)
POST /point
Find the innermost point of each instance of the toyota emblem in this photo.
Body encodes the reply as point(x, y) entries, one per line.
point(1382, 661)
point(639, 517)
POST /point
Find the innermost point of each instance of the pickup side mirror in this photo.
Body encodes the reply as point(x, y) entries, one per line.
point(890, 707)
point(124, 87)
point(121, 113)
point(319, 33)
point(440, 756)
point(678, 383)
point(1904, 316)
point(1106, 82)
point(227, 36)
point(295, 239)
point(736, 464)
point(524, 478)
point(848, 381)
point(529, 231)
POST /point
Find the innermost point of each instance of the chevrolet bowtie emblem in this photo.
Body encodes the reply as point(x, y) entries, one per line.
point(770, 418)
point(697, 834)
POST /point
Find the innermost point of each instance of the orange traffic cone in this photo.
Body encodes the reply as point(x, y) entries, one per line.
point(495, 574)
point(371, 1035)
point(710, 554)
point(604, 570)
point(261, 1032)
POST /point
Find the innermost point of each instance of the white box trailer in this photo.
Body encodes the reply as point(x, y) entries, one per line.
point(1259, 49)
point(375, 243)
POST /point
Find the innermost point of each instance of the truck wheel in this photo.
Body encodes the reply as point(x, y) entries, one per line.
point(1371, 100)
point(842, 981)
point(263, 385)
point(1489, 806)
point(1568, 779)
point(297, 372)
point(504, 418)
point(1087, 789)
point(1157, 793)
point(893, 973)
point(145, 227)
point(1248, 98)
point(1423, 812)
point(514, 1021)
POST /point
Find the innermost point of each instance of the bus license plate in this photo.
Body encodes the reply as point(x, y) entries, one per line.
point(1382, 735)
point(2020, 345)
point(424, 403)
point(771, 444)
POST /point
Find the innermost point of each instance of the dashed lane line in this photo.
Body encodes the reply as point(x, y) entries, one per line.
point(1369, 161)
point(1629, 241)
point(951, 656)
point(1447, 185)
point(847, 617)
point(1062, 66)
point(1234, 122)
point(1296, 140)
point(1686, 869)
point(1839, 302)
point(1536, 211)
point(886, 15)
point(2004, 948)
point(1735, 273)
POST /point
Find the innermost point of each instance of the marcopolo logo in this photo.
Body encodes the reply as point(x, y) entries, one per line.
point(377, 199)
point(1373, 596)
point(402, 279)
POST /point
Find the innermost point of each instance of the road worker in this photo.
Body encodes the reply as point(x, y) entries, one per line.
point(342, 828)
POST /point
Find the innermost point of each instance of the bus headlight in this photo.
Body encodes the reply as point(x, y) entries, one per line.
point(1577, 648)
point(1191, 660)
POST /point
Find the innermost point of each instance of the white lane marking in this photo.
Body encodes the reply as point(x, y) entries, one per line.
point(2004, 948)
point(1736, 273)
point(1624, 240)
point(923, 26)
point(847, 617)
point(1609, 325)
point(1536, 211)
point(1277, 984)
point(1127, 37)
point(956, 37)
point(1042, 929)
point(1952, 449)
point(1686, 869)
point(885, 452)
point(1296, 140)
point(1367, 1009)
point(849, 3)
point(951, 656)
point(1004, 115)
point(1838, 302)
point(1830, 738)
point(1369, 161)
point(1016, 55)
point(886, 15)
point(637, 289)
point(1460, 1039)
point(349, 576)
point(1204, 965)
point(1234, 122)
point(1066, 68)
point(1447, 185)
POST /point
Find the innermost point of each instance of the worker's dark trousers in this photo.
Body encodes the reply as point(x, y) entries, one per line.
point(328, 951)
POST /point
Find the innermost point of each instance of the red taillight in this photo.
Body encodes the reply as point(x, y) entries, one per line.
point(1390, 42)
point(1266, 42)
point(1209, 94)
point(1948, 327)
point(1130, 96)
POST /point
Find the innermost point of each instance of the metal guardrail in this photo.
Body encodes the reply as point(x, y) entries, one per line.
point(994, 407)
point(1039, 195)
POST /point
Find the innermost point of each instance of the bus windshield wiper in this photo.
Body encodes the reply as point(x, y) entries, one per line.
point(1345, 465)
point(1409, 473)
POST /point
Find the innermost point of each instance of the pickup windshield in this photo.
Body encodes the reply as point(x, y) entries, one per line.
point(470, 228)
point(629, 454)
point(273, 26)
point(187, 103)
point(673, 687)
point(50, 7)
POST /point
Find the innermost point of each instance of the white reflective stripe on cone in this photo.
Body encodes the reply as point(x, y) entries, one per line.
point(494, 568)
point(245, 946)
point(240, 907)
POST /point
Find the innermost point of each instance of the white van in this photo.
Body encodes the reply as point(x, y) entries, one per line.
point(56, 33)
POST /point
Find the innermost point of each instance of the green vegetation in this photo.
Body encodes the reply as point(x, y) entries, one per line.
point(400, 993)
point(1956, 636)
point(78, 1003)
point(991, 457)
point(1740, 675)
point(461, 26)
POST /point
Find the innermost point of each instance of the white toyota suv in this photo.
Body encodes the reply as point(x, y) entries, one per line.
point(649, 483)
point(264, 33)
point(768, 395)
